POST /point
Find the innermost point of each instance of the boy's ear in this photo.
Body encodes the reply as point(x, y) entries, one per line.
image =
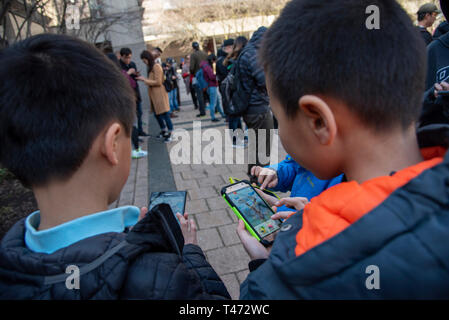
point(110, 147)
point(319, 118)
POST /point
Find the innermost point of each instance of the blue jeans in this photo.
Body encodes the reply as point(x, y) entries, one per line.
point(172, 97)
point(164, 119)
point(234, 124)
point(213, 97)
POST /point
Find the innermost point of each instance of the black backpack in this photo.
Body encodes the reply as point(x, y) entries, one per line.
point(167, 83)
point(235, 98)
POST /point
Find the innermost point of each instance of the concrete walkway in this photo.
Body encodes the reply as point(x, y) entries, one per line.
point(215, 220)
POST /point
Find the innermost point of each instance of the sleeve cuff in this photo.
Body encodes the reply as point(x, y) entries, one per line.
point(254, 264)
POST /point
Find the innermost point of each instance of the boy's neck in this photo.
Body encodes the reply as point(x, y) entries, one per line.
point(62, 202)
point(380, 156)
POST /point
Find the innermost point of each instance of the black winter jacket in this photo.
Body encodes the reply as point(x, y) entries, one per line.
point(252, 76)
point(436, 110)
point(222, 71)
point(150, 262)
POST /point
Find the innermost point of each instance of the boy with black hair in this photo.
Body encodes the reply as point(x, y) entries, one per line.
point(66, 114)
point(353, 98)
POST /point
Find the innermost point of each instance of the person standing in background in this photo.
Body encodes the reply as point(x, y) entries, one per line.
point(221, 69)
point(174, 68)
point(196, 58)
point(235, 122)
point(130, 67)
point(171, 80)
point(254, 95)
point(427, 15)
point(157, 52)
point(137, 151)
point(158, 95)
point(212, 90)
point(188, 80)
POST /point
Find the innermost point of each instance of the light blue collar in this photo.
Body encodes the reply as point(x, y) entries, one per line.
point(63, 235)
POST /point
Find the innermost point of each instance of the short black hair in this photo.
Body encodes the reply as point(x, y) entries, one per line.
point(57, 93)
point(158, 49)
point(422, 15)
point(211, 58)
point(124, 52)
point(325, 47)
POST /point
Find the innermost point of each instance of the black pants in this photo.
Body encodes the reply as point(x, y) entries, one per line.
point(178, 95)
point(200, 97)
point(257, 122)
point(139, 117)
point(135, 138)
point(193, 93)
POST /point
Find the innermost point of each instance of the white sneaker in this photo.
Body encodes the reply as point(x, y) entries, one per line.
point(139, 153)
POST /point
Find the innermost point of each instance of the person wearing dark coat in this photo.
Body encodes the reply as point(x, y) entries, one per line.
point(222, 70)
point(258, 114)
point(196, 58)
point(435, 107)
point(427, 14)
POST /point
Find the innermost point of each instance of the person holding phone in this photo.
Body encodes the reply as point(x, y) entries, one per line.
point(130, 67)
point(391, 212)
point(158, 95)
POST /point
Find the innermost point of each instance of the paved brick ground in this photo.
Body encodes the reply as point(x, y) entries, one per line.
point(216, 222)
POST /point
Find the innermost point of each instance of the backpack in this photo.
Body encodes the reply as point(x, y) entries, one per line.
point(235, 98)
point(226, 93)
point(167, 83)
point(200, 79)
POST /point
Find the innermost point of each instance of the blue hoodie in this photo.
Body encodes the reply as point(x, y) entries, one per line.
point(301, 182)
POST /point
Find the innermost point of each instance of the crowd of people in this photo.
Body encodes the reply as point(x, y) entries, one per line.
point(363, 115)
